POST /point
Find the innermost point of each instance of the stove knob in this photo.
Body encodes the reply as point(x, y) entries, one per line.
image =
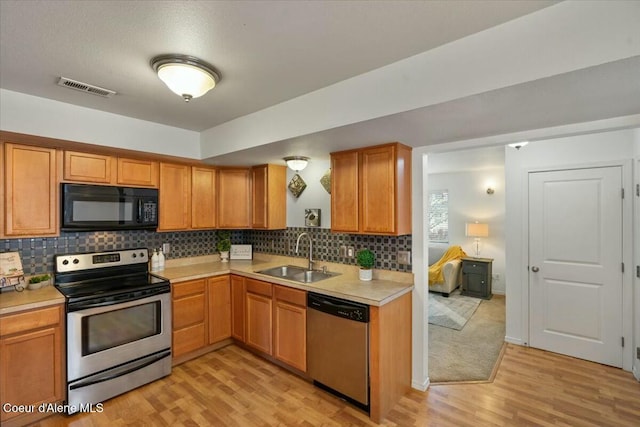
point(134, 255)
point(141, 254)
point(76, 261)
point(65, 262)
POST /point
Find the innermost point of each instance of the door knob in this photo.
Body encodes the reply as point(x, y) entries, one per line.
point(535, 269)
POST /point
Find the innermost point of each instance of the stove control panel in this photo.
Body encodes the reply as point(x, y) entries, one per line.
point(89, 261)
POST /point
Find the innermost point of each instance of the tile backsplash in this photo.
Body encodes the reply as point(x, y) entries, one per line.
point(37, 254)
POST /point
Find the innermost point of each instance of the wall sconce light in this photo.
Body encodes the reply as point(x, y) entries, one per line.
point(518, 145)
point(296, 163)
point(186, 76)
point(477, 230)
point(490, 190)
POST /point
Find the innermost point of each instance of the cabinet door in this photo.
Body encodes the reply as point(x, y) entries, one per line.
point(175, 197)
point(219, 296)
point(259, 312)
point(290, 327)
point(85, 167)
point(30, 191)
point(377, 190)
point(234, 194)
point(31, 361)
point(237, 308)
point(143, 173)
point(188, 310)
point(269, 197)
point(344, 191)
point(203, 197)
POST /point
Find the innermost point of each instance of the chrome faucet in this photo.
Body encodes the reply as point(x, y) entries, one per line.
point(311, 261)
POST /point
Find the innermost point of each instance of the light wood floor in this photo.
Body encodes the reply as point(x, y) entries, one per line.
point(231, 387)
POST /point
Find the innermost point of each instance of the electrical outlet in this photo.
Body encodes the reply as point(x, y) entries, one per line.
point(404, 257)
point(166, 248)
point(351, 252)
point(342, 251)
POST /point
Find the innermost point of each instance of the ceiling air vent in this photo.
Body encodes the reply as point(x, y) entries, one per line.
point(85, 87)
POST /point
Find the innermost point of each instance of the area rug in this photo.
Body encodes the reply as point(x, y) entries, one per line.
point(453, 312)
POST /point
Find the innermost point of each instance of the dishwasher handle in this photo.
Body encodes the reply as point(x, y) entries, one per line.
point(338, 307)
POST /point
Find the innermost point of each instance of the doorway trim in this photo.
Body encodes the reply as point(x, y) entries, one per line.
point(627, 250)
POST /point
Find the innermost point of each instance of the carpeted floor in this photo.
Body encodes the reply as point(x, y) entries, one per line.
point(471, 353)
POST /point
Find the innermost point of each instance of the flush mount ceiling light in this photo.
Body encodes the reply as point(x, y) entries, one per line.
point(187, 76)
point(296, 163)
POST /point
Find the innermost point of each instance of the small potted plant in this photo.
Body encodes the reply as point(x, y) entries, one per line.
point(224, 244)
point(365, 259)
point(36, 282)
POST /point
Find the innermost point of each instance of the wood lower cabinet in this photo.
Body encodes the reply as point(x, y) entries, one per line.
point(174, 197)
point(31, 362)
point(189, 306)
point(269, 197)
point(234, 198)
point(29, 190)
point(219, 299)
point(290, 326)
point(238, 299)
point(371, 190)
point(259, 312)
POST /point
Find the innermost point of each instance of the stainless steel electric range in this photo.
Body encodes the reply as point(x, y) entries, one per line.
point(118, 324)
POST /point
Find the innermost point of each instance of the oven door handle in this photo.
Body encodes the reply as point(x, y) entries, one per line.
point(134, 368)
point(77, 306)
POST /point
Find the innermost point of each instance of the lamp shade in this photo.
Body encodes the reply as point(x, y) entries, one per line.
point(477, 230)
point(296, 163)
point(186, 76)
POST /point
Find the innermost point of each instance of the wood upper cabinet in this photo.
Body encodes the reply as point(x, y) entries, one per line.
point(259, 314)
point(30, 191)
point(234, 195)
point(86, 167)
point(378, 181)
point(189, 316)
point(31, 362)
point(344, 192)
point(219, 298)
point(174, 197)
point(290, 326)
point(269, 197)
point(203, 197)
point(140, 173)
point(238, 297)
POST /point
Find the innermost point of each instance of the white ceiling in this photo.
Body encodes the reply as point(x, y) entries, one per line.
point(272, 51)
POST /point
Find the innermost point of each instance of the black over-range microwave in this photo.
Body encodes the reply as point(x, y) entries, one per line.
point(99, 207)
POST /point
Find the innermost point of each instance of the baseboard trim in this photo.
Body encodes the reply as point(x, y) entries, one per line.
point(420, 386)
point(511, 340)
point(636, 373)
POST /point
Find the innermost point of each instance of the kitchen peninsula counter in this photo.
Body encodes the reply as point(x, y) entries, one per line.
point(386, 287)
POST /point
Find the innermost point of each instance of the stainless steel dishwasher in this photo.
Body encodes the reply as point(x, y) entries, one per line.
point(338, 347)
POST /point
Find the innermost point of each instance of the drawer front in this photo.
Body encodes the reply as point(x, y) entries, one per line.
point(36, 319)
point(188, 288)
point(474, 267)
point(259, 287)
point(290, 295)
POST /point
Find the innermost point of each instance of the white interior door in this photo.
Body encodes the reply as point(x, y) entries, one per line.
point(575, 263)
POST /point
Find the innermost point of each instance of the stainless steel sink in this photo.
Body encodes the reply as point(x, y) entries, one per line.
point(283, 271)
point(311, 276)
point(297, 274)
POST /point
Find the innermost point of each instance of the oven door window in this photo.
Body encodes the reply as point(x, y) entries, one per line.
point(118, 327)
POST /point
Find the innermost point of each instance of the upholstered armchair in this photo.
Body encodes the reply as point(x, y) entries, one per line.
point(451, 271)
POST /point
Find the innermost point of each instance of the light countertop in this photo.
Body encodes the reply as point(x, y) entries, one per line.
point(346, 285)
point(385, 287)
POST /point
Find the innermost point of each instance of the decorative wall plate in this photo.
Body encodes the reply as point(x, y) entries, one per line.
point(297, 185)
point(326, 181)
